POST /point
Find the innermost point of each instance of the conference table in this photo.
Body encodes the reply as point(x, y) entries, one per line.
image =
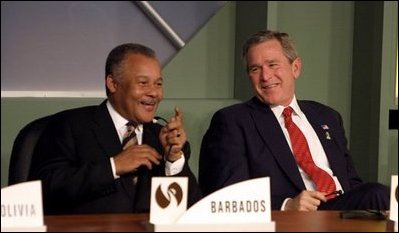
point(293, 221)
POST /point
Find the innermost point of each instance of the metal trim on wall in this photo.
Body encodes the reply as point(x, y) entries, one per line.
point(161, 24)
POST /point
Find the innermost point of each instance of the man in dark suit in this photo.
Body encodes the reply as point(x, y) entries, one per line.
point(251, 139)
point(80, 158)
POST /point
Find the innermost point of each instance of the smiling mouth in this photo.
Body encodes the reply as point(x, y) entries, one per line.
point(149, 103)
point(269, 86)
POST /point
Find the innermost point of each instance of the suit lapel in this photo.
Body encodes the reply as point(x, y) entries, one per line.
point(104, 130)
point(272, 135)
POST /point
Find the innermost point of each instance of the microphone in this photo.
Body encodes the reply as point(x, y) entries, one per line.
point(158, 118)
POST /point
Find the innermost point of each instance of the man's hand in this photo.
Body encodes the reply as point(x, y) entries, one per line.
point(306, 201)
point(130, 159)
point(173, 136)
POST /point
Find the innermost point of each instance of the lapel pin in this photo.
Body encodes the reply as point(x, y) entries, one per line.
point(328, 137)
point(325, 127)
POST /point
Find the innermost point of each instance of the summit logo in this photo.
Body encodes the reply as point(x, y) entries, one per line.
point(173, 192)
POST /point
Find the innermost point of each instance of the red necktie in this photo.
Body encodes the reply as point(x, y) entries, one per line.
point(324, 182)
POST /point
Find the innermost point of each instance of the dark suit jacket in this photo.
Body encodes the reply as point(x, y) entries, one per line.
point(245, 141)
point(72, 159)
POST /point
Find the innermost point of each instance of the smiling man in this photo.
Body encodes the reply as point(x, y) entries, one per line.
point(300, 145)
point(100, 159)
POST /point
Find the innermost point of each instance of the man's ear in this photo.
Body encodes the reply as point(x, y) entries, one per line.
point(296, 67)
point(111, 83)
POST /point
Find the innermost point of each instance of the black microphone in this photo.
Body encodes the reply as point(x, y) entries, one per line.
point(158, 118)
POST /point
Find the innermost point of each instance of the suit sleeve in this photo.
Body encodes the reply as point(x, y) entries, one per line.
point(223, 158)
point(68, 179)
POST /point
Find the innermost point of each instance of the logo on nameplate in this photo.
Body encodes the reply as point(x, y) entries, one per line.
point(173, 192)
point(168, 199)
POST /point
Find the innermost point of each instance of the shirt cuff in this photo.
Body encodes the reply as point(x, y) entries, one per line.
point(113, 168)
point(284, 203)
point(176, 167)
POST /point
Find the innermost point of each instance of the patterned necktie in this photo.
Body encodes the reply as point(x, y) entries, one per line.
point(300, 147)
point(129, 138)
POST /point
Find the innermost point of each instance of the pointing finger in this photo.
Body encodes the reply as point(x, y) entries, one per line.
point(178, 112)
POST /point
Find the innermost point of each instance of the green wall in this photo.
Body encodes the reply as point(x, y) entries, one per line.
point(323, 33)
point(207, 74)
point(388, 141)
point(374, 61)
point(250, 17)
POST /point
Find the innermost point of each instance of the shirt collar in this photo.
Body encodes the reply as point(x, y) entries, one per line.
point(119, 121)
point(278, 109)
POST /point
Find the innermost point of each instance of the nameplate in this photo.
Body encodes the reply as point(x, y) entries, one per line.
point(168, 199)
point(244, 206)
point(22, 207)
point(393, 209)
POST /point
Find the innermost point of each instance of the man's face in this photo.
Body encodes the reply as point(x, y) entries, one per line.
point(137, 91)
point(271, 74)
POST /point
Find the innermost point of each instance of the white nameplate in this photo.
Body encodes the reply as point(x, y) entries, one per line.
point(168, 199)
point(22, 207)
point(244, 206)
point(393, 210)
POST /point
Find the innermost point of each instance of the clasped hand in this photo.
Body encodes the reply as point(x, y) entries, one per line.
point(306, 201)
